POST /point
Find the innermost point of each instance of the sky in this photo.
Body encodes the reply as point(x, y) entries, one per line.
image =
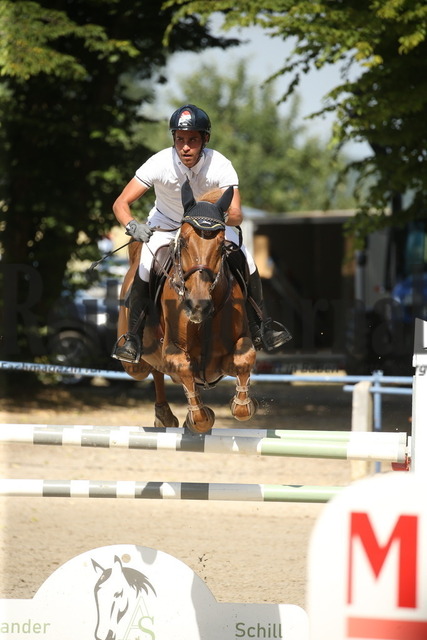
point(265, 56)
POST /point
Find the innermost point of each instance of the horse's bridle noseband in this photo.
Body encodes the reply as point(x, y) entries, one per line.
point(180, 277)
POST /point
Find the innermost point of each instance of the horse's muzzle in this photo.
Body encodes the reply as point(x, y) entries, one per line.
point(198, 310)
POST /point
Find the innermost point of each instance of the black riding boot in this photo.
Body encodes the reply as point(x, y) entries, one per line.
point(265, 333)
point(131, 349)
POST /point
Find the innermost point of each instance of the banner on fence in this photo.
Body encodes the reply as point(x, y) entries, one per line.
point(367, 560)
point(126, 592)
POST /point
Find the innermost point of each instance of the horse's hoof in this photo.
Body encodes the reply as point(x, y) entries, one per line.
point(164, 417)
point(200, 427)
point(244, 412)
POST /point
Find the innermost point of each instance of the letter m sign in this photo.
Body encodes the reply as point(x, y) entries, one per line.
point(405, 534)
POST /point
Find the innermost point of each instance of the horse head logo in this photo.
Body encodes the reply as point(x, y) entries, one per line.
point(116, 591)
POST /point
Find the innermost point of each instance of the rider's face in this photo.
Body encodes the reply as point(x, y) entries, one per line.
point(189, 146)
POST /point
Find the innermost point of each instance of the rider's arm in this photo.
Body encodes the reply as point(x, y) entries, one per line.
point(121, 207)
point(235, 215)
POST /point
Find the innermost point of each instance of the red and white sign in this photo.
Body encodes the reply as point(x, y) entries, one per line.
point(368, 562)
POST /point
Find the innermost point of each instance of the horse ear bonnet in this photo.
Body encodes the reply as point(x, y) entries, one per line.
point(187, 197)
point(205, 215)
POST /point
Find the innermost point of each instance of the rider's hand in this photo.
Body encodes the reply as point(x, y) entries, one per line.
point(138, 230)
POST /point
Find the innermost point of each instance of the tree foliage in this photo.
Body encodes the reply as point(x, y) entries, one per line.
point(73, 77)
point(280, 166)
point(384, 43)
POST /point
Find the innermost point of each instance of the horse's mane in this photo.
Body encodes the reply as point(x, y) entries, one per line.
point(137, 580)
point(211, 196)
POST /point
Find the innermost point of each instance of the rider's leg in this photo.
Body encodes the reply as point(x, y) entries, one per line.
point(131, 349)
point(265, 333)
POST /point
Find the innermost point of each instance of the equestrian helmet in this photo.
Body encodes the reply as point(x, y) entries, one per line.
point(190, 118)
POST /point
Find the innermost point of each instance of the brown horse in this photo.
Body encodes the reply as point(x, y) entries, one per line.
point(198, 332)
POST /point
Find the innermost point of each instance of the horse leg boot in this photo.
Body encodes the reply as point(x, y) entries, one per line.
point(131, 349)
point(265, 333)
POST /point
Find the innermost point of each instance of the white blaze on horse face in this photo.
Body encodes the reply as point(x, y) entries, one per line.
point(114, 596)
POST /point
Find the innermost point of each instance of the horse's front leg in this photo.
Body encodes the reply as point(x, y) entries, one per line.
point(242, 406)
point(242, 361)
point(200, 419)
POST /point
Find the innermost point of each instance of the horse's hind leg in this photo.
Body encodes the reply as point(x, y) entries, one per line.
point(163, 413)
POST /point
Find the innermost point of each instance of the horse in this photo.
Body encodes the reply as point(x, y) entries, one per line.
point(198, 332)
point(116, 594)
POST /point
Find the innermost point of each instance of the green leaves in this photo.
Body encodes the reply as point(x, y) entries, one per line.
point(281, 168)
point(381, 48)
point(31, 36)
point(74, 75)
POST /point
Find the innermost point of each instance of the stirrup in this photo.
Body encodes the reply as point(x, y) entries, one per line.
point(274, 335)
point(119, 352)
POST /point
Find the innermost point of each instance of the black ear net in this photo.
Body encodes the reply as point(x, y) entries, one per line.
point(187, 197)
point(188, 200)
point(225, 200)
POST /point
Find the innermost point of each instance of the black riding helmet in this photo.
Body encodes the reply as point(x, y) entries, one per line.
point(190, 118)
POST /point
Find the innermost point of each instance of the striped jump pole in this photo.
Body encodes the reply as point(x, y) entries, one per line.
point(300, 434)
point(166, 490)
point(384, 447)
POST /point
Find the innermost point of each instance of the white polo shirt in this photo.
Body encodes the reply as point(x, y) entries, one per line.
point(165, 172)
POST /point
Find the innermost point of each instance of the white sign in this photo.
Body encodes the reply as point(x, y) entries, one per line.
point(368, 562)
point(125, 592)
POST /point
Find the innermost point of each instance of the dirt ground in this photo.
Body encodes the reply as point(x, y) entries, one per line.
point(245, 552)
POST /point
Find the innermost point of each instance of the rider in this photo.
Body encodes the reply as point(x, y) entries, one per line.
point(166, 171)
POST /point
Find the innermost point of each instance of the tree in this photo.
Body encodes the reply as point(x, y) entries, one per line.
point(73, 77)
point(281, 168)
point(386, 105)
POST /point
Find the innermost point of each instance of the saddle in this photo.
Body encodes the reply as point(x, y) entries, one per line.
point(163, 261)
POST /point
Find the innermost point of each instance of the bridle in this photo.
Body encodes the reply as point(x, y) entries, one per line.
point(179, 277)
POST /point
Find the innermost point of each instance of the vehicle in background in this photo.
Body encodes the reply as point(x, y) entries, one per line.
point(83, 325)
point(346, 309)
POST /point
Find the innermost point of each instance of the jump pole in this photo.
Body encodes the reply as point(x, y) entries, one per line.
point(166, 490)
point(21, 430)
point(389, 447)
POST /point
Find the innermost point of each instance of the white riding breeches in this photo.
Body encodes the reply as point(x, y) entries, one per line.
point(162, 238)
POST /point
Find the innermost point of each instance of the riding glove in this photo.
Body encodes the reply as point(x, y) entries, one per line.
point(138, 230)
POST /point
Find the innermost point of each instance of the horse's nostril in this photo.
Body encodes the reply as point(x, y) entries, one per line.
point(196, 305)
point(198, 310)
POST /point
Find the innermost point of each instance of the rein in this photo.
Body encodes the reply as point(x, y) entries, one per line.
point(179, 287)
